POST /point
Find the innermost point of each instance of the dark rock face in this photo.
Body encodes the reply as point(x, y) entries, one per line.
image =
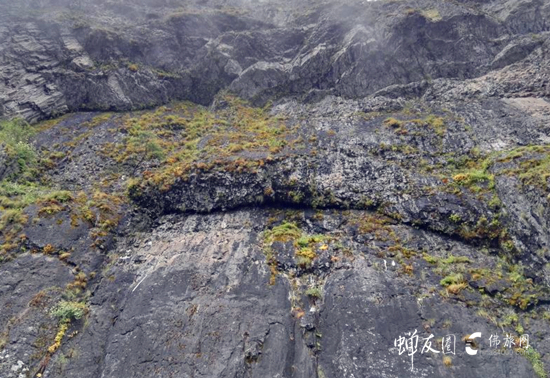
point(118, 56)
point(340, 174)
point(203, 295)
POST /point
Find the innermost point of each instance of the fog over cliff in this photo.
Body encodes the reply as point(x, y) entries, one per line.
point(65, 56)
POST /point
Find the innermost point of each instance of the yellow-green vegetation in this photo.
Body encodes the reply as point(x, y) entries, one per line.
point(53, 202)
point(452, 279)
point(314, 292)
point(504, 283)
point(66, 311)
point(15, 197)
point(24, 188)
point(14, 138)
point(477, 174)
point(523, 293)
point(12, 216)
point(133, 67)
point(486, 231)
point(98, 120)
point(306, 246)
point(431, 14)
point(100, 210)
point(376, 224)
point(18, 189)
point(535, 359)
point(165, 74)
point(59, 337)
point(186, 137)
point(495, 203)
point(473, 177)
point(507, 296)
point(405, 149)
point(455, 218)
point(531, 164)
point(454, 283)
point(283, 233)
point(452, 269)
point(392, 122)
point(445, 262)
point(436, 123)
point(145, 143)
point(518, 291)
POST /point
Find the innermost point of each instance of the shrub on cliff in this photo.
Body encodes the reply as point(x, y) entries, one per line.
point(14, 137)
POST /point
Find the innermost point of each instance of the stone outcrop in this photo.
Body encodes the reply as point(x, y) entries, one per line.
point(118, 56)
point(275, 189)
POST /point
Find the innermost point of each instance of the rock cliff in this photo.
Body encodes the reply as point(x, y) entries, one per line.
point(274, 188)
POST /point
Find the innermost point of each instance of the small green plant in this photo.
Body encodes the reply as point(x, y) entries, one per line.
point(452, 279)
point(452, 259)
point(66, 311)
point(303, 261)
point(431, 14)
point(456, 288)
point(436, 123)
point(12, 216)
point(3, 340)
point(296, 196)
point(534, 358)
point(145, 143)
point(455, 218)
point(15, 132)
point(284, 232)
point(520, 329)
point(306, 240)
point(495, 203)
point(14, 136)
point(510, 319)
point(508, 246)
point(430, 259)
point(392, 122)
point(314, 292)
point(474, 176)
point(59, 195)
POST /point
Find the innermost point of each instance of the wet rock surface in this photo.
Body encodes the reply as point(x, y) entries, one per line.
point(338, 176)
point(120, 56)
